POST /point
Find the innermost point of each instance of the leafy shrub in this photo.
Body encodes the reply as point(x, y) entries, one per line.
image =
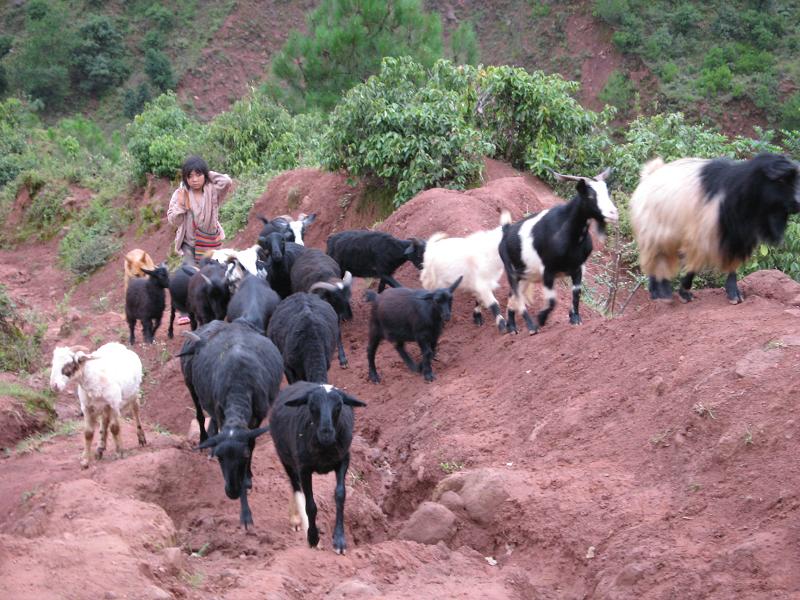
point(618, 90)
point(14, 155)
point(716, 80)
point(234, 213)
point(611, 11)
point(160, 138)
point(407, 128)
point(161, 17)
point(135, 100)
point(20, 341)
point(685, 18)
point(91, 240)
point(747, 59)
point(6, 43)
point(46, 213)
point(668, 72)
point(159, 69)
point(790, 114)
point(534, 121)
point(98, 58)
point(659, 44)
point(464, 45)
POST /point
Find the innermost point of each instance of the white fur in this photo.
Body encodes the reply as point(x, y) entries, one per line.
point(246, 257)
point(534, 267)
point(604, 202)
point(297, 228)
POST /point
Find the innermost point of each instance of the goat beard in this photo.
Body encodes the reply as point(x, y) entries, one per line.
point(600, 232)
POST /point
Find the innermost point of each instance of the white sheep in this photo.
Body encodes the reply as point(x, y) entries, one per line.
point(474, 257)
point(108, 383)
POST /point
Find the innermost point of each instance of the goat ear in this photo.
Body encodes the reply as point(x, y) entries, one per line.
point(347, 280)
point(254, 433)
point(206, 279)
point(264, 219)
point(456, 283)
point(147, 271)
point(298, 401)
point(779, 168)
point(308, 220)
point(581, 186)
point(409, 251)
point(350, 400)
point(604, 175)
point(210, 442)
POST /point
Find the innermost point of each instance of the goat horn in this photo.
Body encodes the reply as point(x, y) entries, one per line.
point(206, 279)
point(322, 285)
point(562, 177)
point(192, 336)
point(347, 279)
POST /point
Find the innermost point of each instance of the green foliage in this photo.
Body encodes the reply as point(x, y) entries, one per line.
point(611, 11)
point(346, 41)
point(534, 121)
point(6, 43)
point(92, 239)
point(161, 17)
point(20, 340)
point(715, 80)
point(46, 213)
point(161, 137)
point(234, 213)
point(464, 48)
point(617, 91)
point(14, 151)
point(159, 69)
point(408, 128)
point(135, 100)
point(98, 58)
point(790, 114)
point(785, 257)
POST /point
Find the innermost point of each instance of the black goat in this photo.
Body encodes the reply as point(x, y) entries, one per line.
point(232, 373)
point(296, 227)
point(305, 328)
point(315, 272)
point(312, 427)
point(179, 293)
point(281, 255)
point(255, 301)
point(208, 294)
point(402, 315)
point(554, 242)
point(144, 301)
point(374, 254)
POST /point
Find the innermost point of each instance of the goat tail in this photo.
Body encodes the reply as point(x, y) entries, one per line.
point(370, 296)
point(505, 218)
point(651, 167)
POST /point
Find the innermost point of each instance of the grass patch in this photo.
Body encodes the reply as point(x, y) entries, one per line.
point(449, 467)
point(35, 442)
point(20, 337)
point(234, 214)
point(35, 400)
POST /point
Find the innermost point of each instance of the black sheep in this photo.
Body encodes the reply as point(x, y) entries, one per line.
point(402, 315)
point(374, 254)
point(312, 427)
point(144, 301)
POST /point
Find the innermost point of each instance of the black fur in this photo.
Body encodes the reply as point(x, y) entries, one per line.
point(208, 301)
point(305, 329)
point(279, 264)
point(232, 373)
point(312, 429)
point(255, 302)
point(144, 301)
point(374, 254)
point(179, 293)
point(402, 315)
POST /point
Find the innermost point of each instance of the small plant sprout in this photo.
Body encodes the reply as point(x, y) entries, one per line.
point(774, 344)
point(450, 467)
point(748, 436)
point(202, 550)
point(703, 411)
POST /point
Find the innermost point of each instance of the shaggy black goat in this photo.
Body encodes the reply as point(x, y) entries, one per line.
point(179, 293)
point(255, 301)
point(233, 373)
point(144, 301)
point(281, 255)
point(374, 254)
point(315, 272)
point(305, 328)
point(709, 213)
point(402, 315)
point(209, 294)
point(312, 427)
point(554, 242)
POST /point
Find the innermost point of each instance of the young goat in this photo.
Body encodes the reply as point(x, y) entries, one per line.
point(315, 272)
point(135, 261)
point(554, 242)
point(712, 213)
point(144, 301)
point(374, 254)
point(108, 384)
point(402, 315)
point(255, 301)
point(208, 294)
point(312, 427)
point(475, 258)
point(233, 373)
point(305, 328)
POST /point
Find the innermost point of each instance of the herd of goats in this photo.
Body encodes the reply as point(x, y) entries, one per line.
point(275, 309)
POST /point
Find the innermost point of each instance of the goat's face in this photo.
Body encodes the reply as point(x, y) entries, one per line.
point(325, 405)
point(275, 243)
point(596, 199)
point(299, 227)
point(778, 194)
point(277, 225)
point(415, 252)
point(233, 448)
point(337, 295)
point(66, 363)
point(443, 299)
point(160, 275)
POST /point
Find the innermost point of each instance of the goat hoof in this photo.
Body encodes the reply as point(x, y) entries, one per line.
point(375, 378)
point(575, 319)
point(119, 454)
point(685, 296)
point(84, 463)
point(142, 440)
point(98, 454)
point(344, 364)
point(501, 326)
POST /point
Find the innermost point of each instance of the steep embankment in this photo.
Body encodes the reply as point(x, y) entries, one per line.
point(649, 455)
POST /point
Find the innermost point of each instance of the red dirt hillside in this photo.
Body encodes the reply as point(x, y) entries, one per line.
point(652, 455)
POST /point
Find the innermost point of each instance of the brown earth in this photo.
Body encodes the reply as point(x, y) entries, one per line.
point(649, 455)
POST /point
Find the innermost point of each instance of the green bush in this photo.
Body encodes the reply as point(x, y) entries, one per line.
point(611, 11)
point(14, 149)
point(161, 17)
point(98, 58)
point(20, 340)
point(617, 91)
point(134, 100)
point(713, 81)
point(6, 43)
point(668, 72)
point(685, 18)
point(159, 69)
point(747, 59)
point(464, 47)
point(233, 215)
point(92, 239)
point(160, 138)
point(790, 114)
point(407, 127)
point(46, 213)
point(785, 257)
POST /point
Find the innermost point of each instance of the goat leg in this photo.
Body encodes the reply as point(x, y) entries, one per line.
point(139, 430)
point(401, 350)
point(245, 515)
point(686, 285)
point(574, 315)
point(311, 508)
point(339, 495)
point(105, 418)
point(340, 347)
point(732, 290)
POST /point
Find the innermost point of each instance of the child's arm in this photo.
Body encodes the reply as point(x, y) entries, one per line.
point(177, 207)
point(221, 183)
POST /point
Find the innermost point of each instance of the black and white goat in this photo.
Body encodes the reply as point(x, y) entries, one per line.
point(312, 428)
point(232, 373)
point(296, 228)
point(554, 242)
point(305, 329)
point(208, 294)
point(711, 213)
point(315, 272)
point(402, 315)
point(144, 301)
point(255, 301)
point(374, 254)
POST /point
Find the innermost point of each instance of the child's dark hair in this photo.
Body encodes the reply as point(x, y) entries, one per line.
point(193, 163)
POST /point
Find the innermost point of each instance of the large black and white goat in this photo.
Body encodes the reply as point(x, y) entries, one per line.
point(552, 243)
point(144, 301)
point(475, 258)
point(374, 254)
point(402, 315)
point(305, 329)
point(312, 427)
point(294, 228)
point(255, 301)
point(315, 272)
point(710, 213)
point(233, 373)
point(108, 384)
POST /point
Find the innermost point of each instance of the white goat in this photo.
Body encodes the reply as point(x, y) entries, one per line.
point(474, 257)
point(247, 258)
point(108, 383)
